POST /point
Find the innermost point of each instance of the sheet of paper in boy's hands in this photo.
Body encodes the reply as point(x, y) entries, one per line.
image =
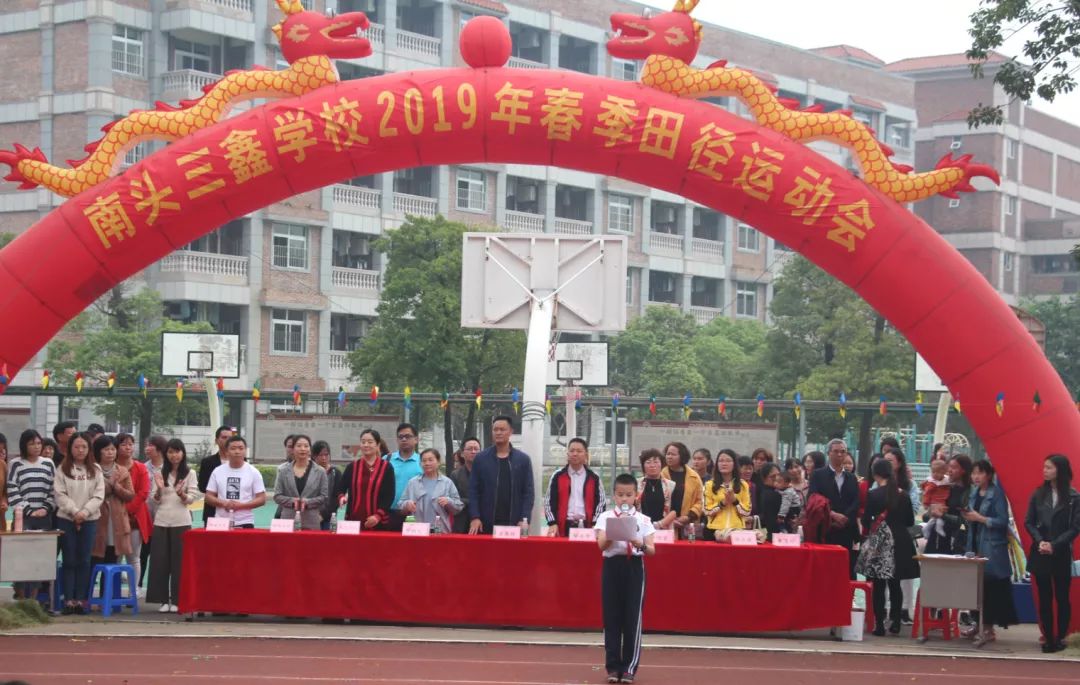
point(622, 529)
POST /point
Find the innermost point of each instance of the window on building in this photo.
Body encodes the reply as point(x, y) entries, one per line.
point(290, 246)
point(629, 287)
point(289, 331)
point(957, 143)
point(625, 69)
point(898, 132)
point(127, 50)
point(1008, 260)
point(1011, 148)
point(195, 56)
point(620, 213)
point(471, 190)
point(954, 203)
point(1010, 205)
point(749, 238)
point(466, 17)
point(746, 299)
point(1054, 264)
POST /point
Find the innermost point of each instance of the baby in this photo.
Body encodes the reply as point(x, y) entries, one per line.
point(935, 491)
point(790, 502)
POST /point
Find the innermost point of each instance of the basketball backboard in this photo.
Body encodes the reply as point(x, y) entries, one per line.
point(211, 355)
point(584, 363)
point(502, 273)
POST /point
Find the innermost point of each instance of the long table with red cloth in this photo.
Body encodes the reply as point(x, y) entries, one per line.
point(700, 587)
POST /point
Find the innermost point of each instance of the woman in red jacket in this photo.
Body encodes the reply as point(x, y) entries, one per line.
point(137, 509)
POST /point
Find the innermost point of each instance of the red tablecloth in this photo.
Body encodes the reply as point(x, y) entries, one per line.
point(536, 582)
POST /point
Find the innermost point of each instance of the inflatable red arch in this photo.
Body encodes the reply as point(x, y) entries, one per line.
point(895, 261)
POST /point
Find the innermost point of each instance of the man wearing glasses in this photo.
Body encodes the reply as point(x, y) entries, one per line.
point(406, 465)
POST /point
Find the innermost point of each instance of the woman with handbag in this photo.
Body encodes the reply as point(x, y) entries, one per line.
point(1053, 522)
point(887, 555)
point(988, 537)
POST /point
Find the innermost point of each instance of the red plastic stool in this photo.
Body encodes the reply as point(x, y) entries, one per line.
point(868, 595)
point(947, 622)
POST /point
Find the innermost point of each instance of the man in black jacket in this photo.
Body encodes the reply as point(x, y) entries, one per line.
point(842, 490)
point(208, 464)
point(500, 483)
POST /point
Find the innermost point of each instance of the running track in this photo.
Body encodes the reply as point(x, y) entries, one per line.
point(179, 661)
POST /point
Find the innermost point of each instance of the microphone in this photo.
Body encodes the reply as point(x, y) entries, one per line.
point(626, 509)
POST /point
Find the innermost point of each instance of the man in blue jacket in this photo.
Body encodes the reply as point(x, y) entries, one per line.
point(501, 483)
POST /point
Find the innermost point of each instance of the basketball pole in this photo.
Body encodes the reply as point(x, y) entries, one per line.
point(532, 404)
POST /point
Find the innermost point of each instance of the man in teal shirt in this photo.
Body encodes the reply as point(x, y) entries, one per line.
point(406, 465)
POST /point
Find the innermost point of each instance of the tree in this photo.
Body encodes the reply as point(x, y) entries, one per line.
point(1062, 320)
point(655, 355)
point(418, 338)
point(6, 238)
point(1053, 52)
point(826, 340)
point(121, 334)
point(730, 356)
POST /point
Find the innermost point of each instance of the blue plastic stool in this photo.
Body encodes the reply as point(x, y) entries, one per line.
point(109, 598)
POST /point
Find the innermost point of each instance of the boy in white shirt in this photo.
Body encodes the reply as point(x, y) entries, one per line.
point(623, 582)
point(236, 487)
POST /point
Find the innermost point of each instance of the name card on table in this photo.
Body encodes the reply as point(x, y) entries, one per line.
point(281, 526)
point(664, 537)
point(348, 527)
point(507, 532)
point(588, 534)
point(416, 529)
point(786, 540)
point(217, 523)
point(743, 537)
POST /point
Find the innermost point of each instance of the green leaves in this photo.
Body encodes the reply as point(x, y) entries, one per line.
point(1048, 62)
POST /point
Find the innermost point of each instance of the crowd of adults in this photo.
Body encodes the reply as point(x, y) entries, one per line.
point(112, 507)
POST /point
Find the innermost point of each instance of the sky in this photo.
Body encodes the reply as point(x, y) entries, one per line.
point(889, 30)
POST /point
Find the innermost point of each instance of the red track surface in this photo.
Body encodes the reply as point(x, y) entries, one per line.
point(147, 661)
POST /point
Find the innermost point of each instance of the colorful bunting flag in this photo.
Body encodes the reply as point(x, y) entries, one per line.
point(220, 388)
point(686, 406)
point(578, 404)
point(444, 402)
point(5, 379)
point(45, 380)
point(341, 401)
point(956, 403)
point(999, 404)
point(408, 397)
point(144, 384)
point(798, 404)
point(883, 406)
point(515, 398)
point(296, 398)
point(180, 390)
point(918, 403)
point(374, 396)
point(721, 406)
point(1036, 402)
point(479, 398)
point(760, 405)
point(615, 403)
point(652, 405)
point(111, 382)
point(256, 390)
point(79, 380)
point(547, 403)
point(843, 405)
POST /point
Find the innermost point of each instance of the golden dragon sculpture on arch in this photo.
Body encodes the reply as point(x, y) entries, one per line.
point(669, 42)
point(310, 41)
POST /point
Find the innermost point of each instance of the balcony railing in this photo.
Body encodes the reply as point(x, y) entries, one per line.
point(710, 249)
point(186, 83)
point(354, 279)
point(207, 263)
point(572, 226)
point(704, 315)
point(416, 205)
point(657, 303)
point(376, 34)
point(339, 362)
point(666, 242)
point(418, 42)
point(522, 63)
point(524, 222)
point(239, 5)
point(357, 197)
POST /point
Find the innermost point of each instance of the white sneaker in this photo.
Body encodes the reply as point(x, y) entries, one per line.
point(164, 609)
point(173, 609)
